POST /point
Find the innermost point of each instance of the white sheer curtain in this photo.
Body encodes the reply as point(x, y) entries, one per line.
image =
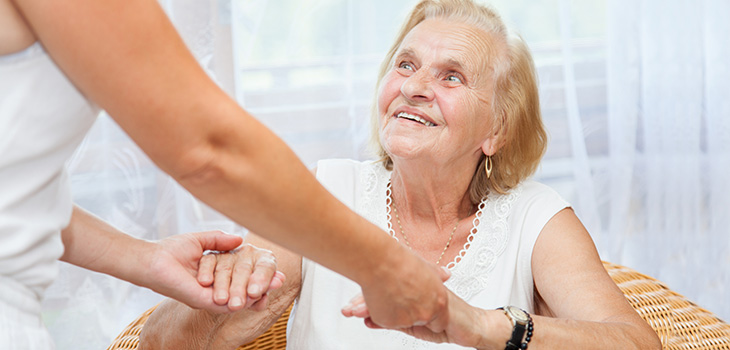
point(669, 130)
point(635, 95)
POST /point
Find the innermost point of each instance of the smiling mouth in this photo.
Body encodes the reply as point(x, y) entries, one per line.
point(415, 118)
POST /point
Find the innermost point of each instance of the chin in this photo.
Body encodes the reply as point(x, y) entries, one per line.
point(404, 153)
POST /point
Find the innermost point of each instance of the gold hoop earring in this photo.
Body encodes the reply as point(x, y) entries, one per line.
point(488, 166)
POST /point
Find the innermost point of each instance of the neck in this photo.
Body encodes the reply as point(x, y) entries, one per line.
point(439, 194)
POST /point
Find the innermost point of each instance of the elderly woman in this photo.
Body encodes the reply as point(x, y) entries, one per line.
point(458, 127)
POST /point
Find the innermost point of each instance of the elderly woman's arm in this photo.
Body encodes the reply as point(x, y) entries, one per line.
point(173, 325)
point(578, 305)
point(581, 305)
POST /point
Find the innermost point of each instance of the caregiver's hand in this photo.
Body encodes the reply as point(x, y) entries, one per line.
point(357, 307)
point(241, 278)
point(468, 326)
point(465, 322)
point(173, 267)
point(179, 269)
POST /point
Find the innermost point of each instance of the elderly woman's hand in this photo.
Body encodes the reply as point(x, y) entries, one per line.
point(177, 268)
point(241, 278)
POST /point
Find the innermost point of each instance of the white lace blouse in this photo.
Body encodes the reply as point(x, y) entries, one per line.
point(493, 269)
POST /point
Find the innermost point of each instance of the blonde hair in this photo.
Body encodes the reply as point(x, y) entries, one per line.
point(515, 107)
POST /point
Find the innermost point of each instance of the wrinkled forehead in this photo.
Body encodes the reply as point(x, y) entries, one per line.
point(452, 42)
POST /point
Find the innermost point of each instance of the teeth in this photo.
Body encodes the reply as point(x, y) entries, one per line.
point(414, 118)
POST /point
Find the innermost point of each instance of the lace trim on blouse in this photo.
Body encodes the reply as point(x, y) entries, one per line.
point(488, 239)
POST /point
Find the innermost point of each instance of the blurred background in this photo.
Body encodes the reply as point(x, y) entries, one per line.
point(635, 95)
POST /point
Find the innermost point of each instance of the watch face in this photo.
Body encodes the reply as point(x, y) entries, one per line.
point(517, 314)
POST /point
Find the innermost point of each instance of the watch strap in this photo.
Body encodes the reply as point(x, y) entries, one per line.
point(518, 332)
point(521, 332)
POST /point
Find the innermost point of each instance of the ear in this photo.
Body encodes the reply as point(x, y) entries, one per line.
point(492, 144)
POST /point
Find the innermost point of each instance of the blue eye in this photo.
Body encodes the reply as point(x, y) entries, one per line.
point(406, 65)
point(453, 78)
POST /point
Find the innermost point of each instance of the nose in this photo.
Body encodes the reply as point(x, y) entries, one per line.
point(418, 86)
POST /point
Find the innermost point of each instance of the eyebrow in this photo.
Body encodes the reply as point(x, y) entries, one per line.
point(450, 62)
point(405, 52)
point(456, 64)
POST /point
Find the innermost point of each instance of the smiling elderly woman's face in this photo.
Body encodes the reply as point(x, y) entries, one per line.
point(435, 101)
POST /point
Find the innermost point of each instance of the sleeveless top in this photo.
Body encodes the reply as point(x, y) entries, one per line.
point(43, 118)
point(493, 269)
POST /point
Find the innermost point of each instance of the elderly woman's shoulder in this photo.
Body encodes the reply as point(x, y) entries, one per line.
point(533, 186)
point(536, 192)
point(534, 203)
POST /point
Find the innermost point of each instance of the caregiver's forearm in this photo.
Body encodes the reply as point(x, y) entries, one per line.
point(91, 243)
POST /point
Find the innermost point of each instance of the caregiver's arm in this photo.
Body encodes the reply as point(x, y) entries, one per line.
point(126, 56)
point(168, 266)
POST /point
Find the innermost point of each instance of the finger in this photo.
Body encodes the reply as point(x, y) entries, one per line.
point(222, 281)
point(190, 292)
point(347, 310)
point(277, 281)
point(206, 268)
point(263, 272)
point(370, 324)
point(361, 311)
point(444, 273)
point(214, 308)
point(358, 307)
point(218, 240)
point(258, 305)
point(239, 279)
point(439, 323)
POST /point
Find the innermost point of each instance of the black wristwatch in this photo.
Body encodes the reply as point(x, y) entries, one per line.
point(521, 328)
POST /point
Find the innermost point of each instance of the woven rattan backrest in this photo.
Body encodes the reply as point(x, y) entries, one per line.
point(680, 323)
point(129, 338)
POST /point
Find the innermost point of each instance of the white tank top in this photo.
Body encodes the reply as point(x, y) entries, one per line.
point(43, 118)
point(492, 270)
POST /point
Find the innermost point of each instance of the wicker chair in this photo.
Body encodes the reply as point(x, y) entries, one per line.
point(272, 339)
point(679, 323)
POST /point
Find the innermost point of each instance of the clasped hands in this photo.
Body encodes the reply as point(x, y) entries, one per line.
point(240, 276)
point(185, 267)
